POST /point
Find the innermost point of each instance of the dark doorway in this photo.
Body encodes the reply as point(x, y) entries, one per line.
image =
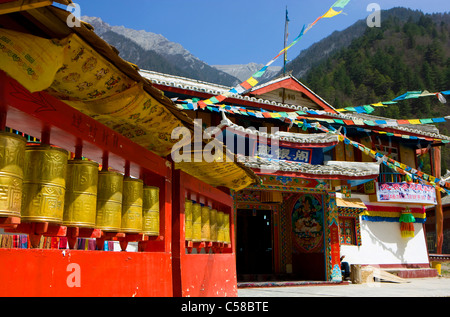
point(254, 254)
point(309, 266)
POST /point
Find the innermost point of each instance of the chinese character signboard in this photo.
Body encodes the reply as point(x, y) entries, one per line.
point(406, 192)
point(253, 145)
point(286, 154)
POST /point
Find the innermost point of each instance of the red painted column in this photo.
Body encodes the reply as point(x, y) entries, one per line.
point(177, 226)
point(436, 169)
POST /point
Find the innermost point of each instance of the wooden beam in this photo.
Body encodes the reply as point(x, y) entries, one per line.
point(46, 21)
point(7, 6)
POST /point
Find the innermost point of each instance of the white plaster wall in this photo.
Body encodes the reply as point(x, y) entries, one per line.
point(382, 243)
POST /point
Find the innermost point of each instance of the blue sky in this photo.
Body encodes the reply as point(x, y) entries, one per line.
point(224, 32)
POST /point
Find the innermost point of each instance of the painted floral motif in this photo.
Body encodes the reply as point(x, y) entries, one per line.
point(71, 78)
point(84, 85)
point(78, 54)
point(101, 73)
point(89, 65)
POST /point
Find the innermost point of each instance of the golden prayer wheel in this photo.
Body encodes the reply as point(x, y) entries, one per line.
point(12, 152)
point(196, 222)
point(109, 201)
point(188, 219)
point(206, 226)
point(226, 228)
point(220, 218)
point(133, 192)
point(80, 206)
point(150, 211)
point(213, 224)
point(44, 184)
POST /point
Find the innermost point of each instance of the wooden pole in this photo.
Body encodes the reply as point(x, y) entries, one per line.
point(436, 169)
point(286, 34)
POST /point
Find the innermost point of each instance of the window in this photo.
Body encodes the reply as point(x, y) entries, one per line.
point(347, 230)
point(390, 149)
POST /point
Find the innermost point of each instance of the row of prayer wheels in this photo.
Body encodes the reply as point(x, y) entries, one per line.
point(205, 224)
point(38, 183)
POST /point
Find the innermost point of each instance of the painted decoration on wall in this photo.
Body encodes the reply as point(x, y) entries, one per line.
point(307, 224)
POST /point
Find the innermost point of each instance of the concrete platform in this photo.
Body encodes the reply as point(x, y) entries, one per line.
point(415, 287)
point(413, 273)
point(288, 284)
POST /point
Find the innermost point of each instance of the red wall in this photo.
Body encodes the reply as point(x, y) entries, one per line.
point(209, 275)
point(54, 273)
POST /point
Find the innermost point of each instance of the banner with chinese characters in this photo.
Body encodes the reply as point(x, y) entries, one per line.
point(406, 192)
point(286, 154)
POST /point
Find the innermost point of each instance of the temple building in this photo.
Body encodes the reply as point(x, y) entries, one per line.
point(271, 184)
point(322, 196)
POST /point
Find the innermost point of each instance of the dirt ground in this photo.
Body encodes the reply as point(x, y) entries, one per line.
point(445, 269)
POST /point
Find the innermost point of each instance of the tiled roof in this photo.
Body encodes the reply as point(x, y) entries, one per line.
point(426, 130)
point(281, 78)
point(363, 170)
point(311, 138)
point(210, 88)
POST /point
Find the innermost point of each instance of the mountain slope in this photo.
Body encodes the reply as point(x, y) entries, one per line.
point(152, 51)
point(411, 51)
point(323, 49)
point(243, 72)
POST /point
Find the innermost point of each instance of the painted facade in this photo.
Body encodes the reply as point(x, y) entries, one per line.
point(316, 213)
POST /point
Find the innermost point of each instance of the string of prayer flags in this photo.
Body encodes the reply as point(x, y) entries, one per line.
point(299, 118)
point(253, 80)
point(319, 116)
point(411, 173)
point(331, 12)
point(368, 109)
point(405, 96)
point(409, 95)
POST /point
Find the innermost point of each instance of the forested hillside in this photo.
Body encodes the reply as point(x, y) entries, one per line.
point(407, 53)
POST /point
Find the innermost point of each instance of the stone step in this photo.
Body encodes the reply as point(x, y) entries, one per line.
point(412, 272)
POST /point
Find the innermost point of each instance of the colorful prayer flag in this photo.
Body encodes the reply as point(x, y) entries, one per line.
point(331, 13)
point(340, 3)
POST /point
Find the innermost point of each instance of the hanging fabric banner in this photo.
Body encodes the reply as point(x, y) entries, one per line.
point(407, 221)
point(406, 192)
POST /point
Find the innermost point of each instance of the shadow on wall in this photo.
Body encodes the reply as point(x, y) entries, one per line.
point(386, 238)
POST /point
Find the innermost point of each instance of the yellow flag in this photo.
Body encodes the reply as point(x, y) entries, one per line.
point(378, 104)
point(331, 13)
point(252, 81)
